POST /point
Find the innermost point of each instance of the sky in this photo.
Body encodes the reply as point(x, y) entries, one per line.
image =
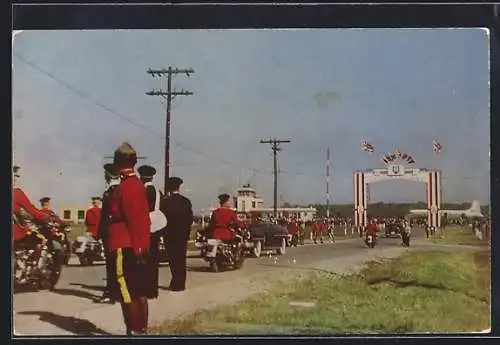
point(78, 94)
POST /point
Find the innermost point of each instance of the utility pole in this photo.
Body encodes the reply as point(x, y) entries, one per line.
point(328, 183)
point(275, 147)
point(169, 95)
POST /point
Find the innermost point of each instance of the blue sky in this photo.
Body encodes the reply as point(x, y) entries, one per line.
point(398, 89)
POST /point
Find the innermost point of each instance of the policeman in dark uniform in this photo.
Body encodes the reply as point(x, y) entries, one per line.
point(179, 212)
point(146, 174)
point(112, 178)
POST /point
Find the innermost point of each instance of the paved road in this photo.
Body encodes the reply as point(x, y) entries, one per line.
point(79, 286)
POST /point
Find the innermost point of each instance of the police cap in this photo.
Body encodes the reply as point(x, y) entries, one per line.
point(44, 200)
point(173, 183)
point(112, 170)
point(224, 198)
point(146, 171)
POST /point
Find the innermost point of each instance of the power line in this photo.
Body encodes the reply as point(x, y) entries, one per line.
point(178, 144)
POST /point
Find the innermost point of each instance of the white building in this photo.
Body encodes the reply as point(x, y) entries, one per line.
point(247, 202)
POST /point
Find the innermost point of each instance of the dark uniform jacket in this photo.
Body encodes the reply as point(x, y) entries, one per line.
point(179, 212)
point(104, 219)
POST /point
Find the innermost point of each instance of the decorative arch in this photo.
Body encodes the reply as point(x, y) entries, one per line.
point(432, 179)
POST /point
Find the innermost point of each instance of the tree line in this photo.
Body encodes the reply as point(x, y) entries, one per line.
point(382, 209)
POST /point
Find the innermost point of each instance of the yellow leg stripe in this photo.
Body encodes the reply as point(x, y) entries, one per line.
point(120, 278)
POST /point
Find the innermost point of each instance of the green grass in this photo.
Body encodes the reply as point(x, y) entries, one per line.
point(418, 292)
point(459, 235)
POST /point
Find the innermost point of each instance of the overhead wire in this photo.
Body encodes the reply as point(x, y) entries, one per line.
point(176, 143)
point(138, 124)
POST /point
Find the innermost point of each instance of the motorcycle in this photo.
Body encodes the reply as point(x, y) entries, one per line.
point(36, 261)
point(88, 250)
point(60, 236)
point(222, 255)
point(297, 238)
point(370, 241)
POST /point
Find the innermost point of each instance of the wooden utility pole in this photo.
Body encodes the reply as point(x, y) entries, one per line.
point(169, 95)
point(328, 183)
point(275, 147)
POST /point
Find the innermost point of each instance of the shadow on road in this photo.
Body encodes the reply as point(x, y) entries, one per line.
point(20, 289)
point(198, 269)
point(100, 288)
point(68, 323)
point(75, 293)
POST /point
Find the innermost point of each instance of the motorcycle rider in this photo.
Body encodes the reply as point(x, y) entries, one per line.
point(93, 216)
point(223, 220)
point(371, 229)
point(45, 208)
point(112, 178)
point(22, 204)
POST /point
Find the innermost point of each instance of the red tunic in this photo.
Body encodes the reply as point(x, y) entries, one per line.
point(51, 213)
point(292, 228)
point(129, 216)
point(21, 201)
point(316, 227)
point(371, 229)
point(220, 222)
point(92, 218)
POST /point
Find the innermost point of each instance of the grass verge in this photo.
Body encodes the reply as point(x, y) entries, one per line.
point(459, 235)
point(418, 292)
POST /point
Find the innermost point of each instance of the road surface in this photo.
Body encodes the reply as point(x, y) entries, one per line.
point(45, 312)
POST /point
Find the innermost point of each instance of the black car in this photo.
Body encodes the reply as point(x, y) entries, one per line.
point(268, 236)
point(393, 230)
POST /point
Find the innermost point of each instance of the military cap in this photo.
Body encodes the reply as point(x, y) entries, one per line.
point(94, 198)
point(44, 200)
point(147, 171)
point(173, 183)
point(112, 170)
point(224, 198)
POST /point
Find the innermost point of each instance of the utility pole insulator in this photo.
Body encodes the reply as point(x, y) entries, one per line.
point(169, 95)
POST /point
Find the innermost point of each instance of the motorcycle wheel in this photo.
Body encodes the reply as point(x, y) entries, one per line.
point(214, 266)
point(240, 260)
point(85, 260)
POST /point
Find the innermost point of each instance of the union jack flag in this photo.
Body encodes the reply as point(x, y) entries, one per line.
point(367, 147)
point(437, 146)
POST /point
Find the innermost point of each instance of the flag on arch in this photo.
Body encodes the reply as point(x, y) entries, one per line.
point(437, 146)
point(367, 147)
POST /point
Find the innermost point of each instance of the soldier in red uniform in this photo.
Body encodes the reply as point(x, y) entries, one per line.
point(224, 220)
point(93, 216)
point(129, 243)
point(371, 228)
point(45, 208)
point(21, 204)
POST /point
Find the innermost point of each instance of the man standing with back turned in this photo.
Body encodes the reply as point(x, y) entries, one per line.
point(112, 178)
point(179, 212)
